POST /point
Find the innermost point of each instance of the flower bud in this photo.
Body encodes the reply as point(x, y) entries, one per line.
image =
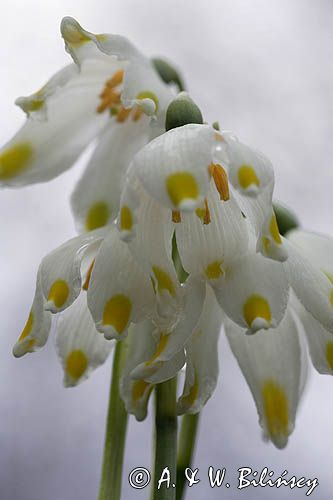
point(182, 111)
point(285, 218)
point(168, 73)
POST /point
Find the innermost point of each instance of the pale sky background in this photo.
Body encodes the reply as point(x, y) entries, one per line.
point(263, 68)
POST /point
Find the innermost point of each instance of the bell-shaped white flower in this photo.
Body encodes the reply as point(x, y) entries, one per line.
point(215, 238)
point(193, 189)
point(316, 312)
point(62, 276)
point(101, 292)
point(274, 366)
point(141, 346)
point(224, 234)
point(111, 93)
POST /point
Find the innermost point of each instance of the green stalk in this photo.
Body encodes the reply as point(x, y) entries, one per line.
point(115, 434)
point(165, 439)
point(186, 447)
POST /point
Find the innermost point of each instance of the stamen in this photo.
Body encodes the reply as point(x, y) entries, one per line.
point(123, 114)
point(109, 96)
point(220, 179)
point(117, 79)
point(176, 217)
point(109, 99)
point(206, 219)
point(85, 285)
point(204, 213)
point(219, 137)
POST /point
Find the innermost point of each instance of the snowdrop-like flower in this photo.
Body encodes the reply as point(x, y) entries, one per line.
point(101, 293)
point(219, 213)
point(211, 195)
point(112, 93)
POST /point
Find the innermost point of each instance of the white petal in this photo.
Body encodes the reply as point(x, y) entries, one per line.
point(35, 105)
point(256, 208)
point(173, 338)
point(209, 248)
point(41, 150)
point(271, 363)
point(270, 243)
point(130, 202)
point(317, 248)
point(142, 83)
point(95, 200)
point(80, 346)
point(252, 176)
point(312, 287)
point(259, 213)
point(142, 345)
point(173, 168)
point(119, 292)
point(141, 80)
point(202, 359)
point(249, 170)
point(136, 393)
point(61, 276)
point(152, 248)
point(254, 292)
point(80, 43)
point(37, 327)
point(320, 341)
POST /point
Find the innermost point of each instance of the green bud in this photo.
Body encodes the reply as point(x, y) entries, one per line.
point(216, 125)
point(182, 111)
point(285, 218)
point(168, 73)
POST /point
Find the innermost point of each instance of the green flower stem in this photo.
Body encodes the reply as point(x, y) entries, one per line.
point(165, 439)
point(115, 435)
point(186, 447)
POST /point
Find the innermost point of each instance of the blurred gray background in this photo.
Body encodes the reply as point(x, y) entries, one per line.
point(263, 68)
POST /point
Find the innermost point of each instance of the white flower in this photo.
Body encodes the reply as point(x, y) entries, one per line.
point(206, 189)
point(111, 93)
point(225, 231)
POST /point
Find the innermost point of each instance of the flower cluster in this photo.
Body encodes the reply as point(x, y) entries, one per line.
point(178, 236)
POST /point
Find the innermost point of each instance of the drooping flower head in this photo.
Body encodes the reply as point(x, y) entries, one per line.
point(111, 93)
point(216, 195)
point(165, 192)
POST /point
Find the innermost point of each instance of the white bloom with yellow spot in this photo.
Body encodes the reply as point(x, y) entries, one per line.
point(215, 239)
point(317, 309)
point(80, 347)
point(202, 358)
point(119, 291)
point(192, 189)
point(141, 346)
point(190, 160)
point(37, 328)
point(272, 363)
point(111, 93)
point(224, 235)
